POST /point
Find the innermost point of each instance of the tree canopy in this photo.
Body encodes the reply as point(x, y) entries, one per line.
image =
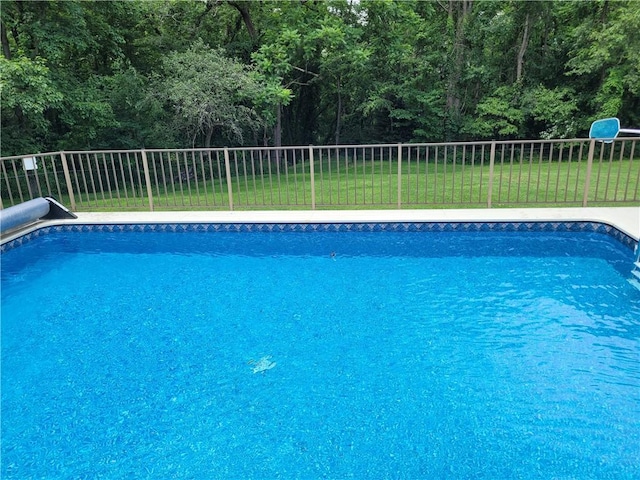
point(168, 73)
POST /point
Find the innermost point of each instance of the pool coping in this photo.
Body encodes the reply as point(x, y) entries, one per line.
point(624, 219)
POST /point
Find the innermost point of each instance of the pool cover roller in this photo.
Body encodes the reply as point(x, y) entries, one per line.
point(32, 211)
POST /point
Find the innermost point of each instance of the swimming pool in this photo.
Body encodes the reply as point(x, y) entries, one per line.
point(414, 350)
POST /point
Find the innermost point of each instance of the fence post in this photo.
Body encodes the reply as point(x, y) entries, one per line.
point(312, 172)
point(492, 158)
point(399, 175)
point(227, 168)
point(67, 179)
point(147, 178)
point(587, 180)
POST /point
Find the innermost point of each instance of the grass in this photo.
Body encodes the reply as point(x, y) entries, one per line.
point(369, 184)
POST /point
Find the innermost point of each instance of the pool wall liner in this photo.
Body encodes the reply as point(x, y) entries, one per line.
point(524, 226)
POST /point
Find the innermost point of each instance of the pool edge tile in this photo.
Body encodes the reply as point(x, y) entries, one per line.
point(240, 227)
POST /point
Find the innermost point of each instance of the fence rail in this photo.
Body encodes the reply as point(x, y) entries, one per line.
point(479, 174)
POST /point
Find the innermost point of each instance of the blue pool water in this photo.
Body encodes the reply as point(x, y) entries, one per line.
point(376, 355)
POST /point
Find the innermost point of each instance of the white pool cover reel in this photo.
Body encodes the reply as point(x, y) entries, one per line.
point(32, 211)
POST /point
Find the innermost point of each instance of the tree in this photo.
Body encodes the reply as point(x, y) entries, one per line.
point(27, 91)
point(65, 51)
point(458, 12)
point(209, 91)
point(605, 57)
point(142, 120)
point(79, 75)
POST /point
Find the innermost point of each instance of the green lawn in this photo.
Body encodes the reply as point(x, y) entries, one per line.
point(374, 184)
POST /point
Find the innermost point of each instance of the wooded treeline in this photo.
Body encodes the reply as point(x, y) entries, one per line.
point(159, 74)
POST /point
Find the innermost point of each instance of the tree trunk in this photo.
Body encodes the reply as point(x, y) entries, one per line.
point(277, 133)
point(458, 12)
point(243, 8)
point(523, 49)
point(207, 139)
point(6, 51)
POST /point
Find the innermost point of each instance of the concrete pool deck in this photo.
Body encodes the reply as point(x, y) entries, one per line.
point(625, 219)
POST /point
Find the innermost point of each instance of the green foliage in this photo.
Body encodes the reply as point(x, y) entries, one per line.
point(85, 113)
point(554, 109)
point(210, 91)
point(26, 92)
point(141, 118)
point(508, 112)
point(80, 75)
point(606, 47)
point(499, 115)
point(26, 85)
